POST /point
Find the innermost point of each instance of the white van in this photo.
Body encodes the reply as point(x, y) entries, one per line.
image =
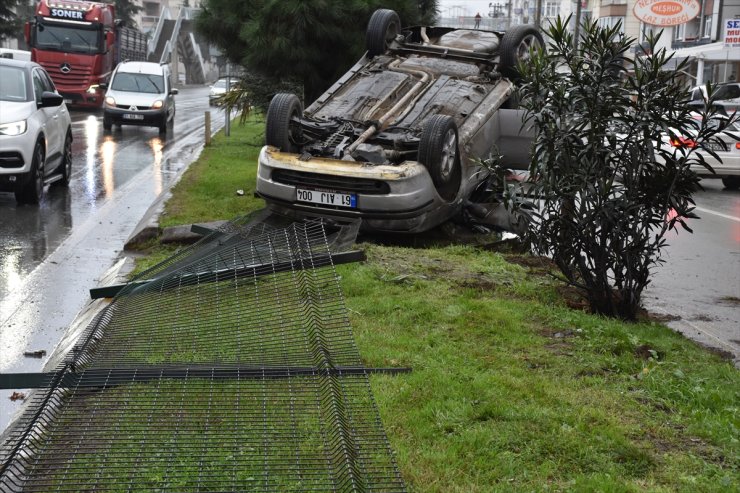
point(139, 93)
point(15, 54)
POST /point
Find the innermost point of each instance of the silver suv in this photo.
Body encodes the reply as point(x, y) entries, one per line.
point(35, 131)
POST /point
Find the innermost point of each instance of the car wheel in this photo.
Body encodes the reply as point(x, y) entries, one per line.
point(382, 29)
point(107, 123)
point(66, 166)
point(31, 190)
point(515, 46)
point(280, 129)
point(163, 125)
point(438, 151)
point(731, 182)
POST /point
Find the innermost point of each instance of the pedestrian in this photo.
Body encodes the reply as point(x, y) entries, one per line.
point(477, 20)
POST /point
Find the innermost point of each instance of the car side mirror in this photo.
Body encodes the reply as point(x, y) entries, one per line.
point(49, 99)
point(103, 85)
point(174, 91)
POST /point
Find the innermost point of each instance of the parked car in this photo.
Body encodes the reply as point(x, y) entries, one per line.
point(220, 87)
point(139, 93)
point(396, 139)
point(35, 131)
point(727, 97)
point(726, 146)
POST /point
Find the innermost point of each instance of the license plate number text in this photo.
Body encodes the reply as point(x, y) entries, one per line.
point(327, 198)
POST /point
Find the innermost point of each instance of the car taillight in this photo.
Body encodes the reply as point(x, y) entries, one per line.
point(683, 142)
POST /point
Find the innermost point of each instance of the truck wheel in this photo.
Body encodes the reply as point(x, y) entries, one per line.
point(382, 29)
point(281, 130)
point(731, 182)
point(31, 190)
point(515, 46)
point(107, 123)
point(438, 151)
point(66, 166)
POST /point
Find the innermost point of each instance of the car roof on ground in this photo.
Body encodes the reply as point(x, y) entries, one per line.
point(141, 68)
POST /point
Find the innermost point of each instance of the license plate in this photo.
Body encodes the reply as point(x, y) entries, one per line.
point(67, 101)
point(327, 198)
point(715, 146)
point(132, 116)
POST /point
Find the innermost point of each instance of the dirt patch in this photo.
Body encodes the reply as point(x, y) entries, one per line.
point(574, 298)
point(646, 352)
point(659, 317)
point(730, 300)
point(535, 263)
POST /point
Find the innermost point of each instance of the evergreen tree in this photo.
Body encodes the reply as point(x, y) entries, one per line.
point(10, 23)
point(310, 42)
point(125, 12)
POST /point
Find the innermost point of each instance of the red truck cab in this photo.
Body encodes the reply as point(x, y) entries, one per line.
point(75, 42)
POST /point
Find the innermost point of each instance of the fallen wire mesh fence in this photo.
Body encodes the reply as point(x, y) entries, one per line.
point(229, 367)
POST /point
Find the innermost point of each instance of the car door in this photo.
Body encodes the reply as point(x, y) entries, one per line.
point(50, 119)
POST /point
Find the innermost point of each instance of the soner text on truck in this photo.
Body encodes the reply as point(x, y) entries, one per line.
point(79, 44)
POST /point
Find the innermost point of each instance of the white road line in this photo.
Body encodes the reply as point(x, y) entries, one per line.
point(726, 216)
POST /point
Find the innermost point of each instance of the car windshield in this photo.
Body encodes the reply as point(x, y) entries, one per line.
point(70, 39)
point(220, 84)
point(128, 82)
point(728, 92)
point(13, 84)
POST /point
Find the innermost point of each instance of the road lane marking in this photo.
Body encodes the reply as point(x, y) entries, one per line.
point(726, 216)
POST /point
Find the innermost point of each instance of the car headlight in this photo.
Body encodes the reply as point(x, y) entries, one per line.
point(110, 101)
point(157, 104)
point(14, 128)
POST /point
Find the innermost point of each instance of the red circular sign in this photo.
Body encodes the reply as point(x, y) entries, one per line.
point(666, 12)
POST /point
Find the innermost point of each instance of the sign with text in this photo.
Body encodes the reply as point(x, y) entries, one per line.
point(732, 32)
point(666, 12)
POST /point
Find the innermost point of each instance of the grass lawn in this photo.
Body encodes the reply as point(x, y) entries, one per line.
point(514, 388)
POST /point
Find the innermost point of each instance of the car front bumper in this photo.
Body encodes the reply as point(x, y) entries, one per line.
point(730, 166)
point(16, 153)
point(149, 118)
point(388, 198)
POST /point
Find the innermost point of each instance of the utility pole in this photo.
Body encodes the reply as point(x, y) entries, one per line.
point(577, 30)
point(538, 13)
point(227, 108)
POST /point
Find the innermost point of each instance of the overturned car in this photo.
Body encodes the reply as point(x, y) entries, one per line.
point(396, 141)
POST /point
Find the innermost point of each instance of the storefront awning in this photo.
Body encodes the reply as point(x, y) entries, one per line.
point(713, 52)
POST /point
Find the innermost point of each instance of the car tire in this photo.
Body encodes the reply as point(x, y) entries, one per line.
point(163, 125)
point(382, 29)
point(731, 182)
point(280, 130)
point(439, 152)
point(107, 123)
point(66, 167)
point(515, 46)
point(31, 190)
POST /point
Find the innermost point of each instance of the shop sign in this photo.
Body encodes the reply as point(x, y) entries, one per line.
point(666, 12)
point(732, 32)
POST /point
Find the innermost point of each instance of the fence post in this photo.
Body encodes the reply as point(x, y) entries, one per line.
point(208, 128)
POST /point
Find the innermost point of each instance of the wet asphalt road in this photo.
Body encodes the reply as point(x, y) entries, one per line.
point(698, 287)
point(53, 253)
